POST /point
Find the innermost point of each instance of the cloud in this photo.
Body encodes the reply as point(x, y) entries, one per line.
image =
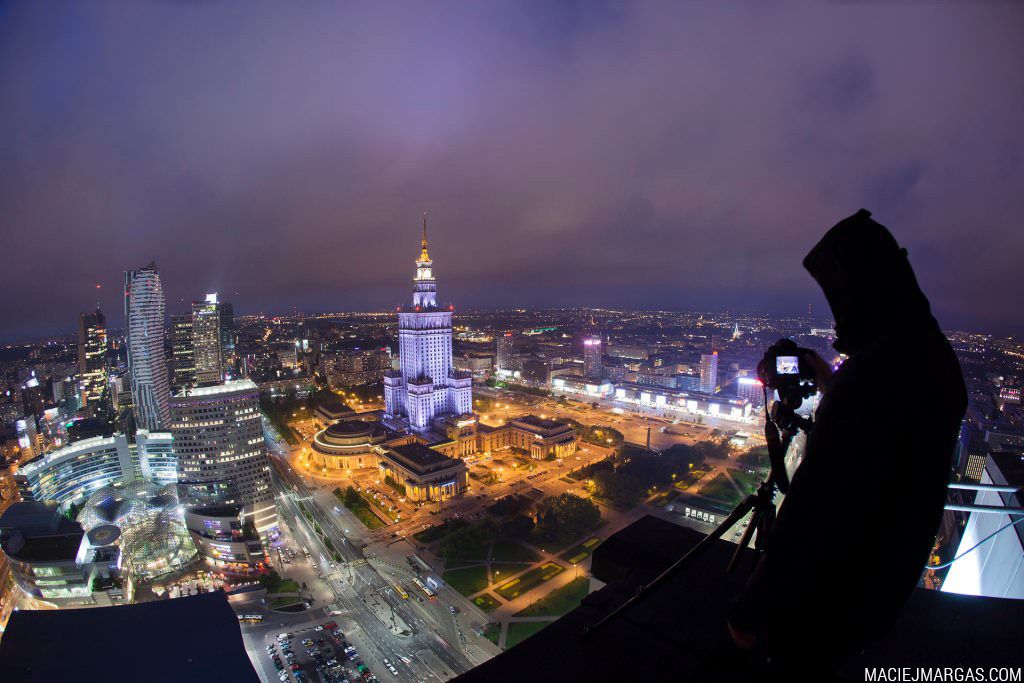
point(635, 154)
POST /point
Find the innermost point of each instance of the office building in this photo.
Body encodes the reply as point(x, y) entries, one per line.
point(750, 389)
point(426, 385)
point(51, 558)
point(592, 365)
point(207, 341)
point(184, 359)
point(221, 457)
point(227, 338)
point(709, 372)
point(503, 353)
point(144, 334)
point(74, 472)
point(92, 358)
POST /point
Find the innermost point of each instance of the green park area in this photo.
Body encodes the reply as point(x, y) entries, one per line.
point(745, 480)
point(512, 589)
point(508, 550)
point(582, 551)
point(518, 631)
point(721, 489)
point(467, 580)
point(486, 602)
point(559, 601)
point(359, 506)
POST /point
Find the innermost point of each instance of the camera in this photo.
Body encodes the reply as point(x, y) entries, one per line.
point(785, 369)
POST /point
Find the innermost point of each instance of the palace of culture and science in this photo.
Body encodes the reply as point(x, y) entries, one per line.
point(426, 386)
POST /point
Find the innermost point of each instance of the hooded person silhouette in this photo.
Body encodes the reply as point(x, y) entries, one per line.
point(854, 532)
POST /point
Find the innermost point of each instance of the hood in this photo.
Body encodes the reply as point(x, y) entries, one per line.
point(868, 281)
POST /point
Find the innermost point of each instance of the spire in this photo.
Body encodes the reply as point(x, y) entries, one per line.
point(424, 256)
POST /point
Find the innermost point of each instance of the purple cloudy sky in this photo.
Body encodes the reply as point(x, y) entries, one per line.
point(570, 153)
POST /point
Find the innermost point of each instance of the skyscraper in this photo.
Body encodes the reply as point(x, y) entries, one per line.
point(144, 334)
point(592, 365)
point(709, 372)
point(218, 442)
point(181, 348)
point(426, 385)
point(206, 340)
point(503, 356)
point(92, 357)
point(227, 337)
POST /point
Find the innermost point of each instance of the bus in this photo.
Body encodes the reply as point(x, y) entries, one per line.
point(250, 618)
point(430, 594)
point(401, 591)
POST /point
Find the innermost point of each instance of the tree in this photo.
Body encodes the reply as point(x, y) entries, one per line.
point(619, 486)
point(566, 517)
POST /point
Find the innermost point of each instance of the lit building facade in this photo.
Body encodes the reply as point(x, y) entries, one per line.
point(503, 353)
point(221, 455)
point(207, 341)
point(426, 385)
point(424, 473)
point(348, 445)
point(709, 372)
point(592, 364)
point(184, 364)
point(73, 473)
point(144, 307)
point(92, 358)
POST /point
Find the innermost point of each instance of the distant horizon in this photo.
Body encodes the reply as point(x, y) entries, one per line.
point(42, 338)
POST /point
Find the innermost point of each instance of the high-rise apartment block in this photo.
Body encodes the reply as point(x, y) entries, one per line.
point(593, 367)
point(709, 372)
point(144, 333)
point(92, 358)
point(184, 359)
point(503, 356)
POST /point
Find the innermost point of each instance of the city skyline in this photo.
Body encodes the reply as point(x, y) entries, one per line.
point(590, 155)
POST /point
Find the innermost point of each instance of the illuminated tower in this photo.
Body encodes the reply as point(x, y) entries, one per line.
point(144, 334)
point(426, 385)
point(92, 357)
point(709, 372)
point(592, 366)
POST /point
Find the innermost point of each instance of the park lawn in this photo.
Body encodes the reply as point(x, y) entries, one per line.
point(284, 601)
point(486, 602)
point(518, 631)
point(579, 553)
point(722, 490)
point(468, 580)
point(493, 633)
point(507, 550)
point(559, 601)
point(747, 481)
point(380, 509)
point(504, 570)
point(512, 589)
point(363, 512)
point(287, 586)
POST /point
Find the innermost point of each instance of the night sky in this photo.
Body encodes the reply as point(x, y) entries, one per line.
point(625, 155)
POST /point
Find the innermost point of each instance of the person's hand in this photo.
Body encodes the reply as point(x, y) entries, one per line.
point(744, 639)
point(822, 370)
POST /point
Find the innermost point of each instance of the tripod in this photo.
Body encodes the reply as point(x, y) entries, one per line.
point(781, 425)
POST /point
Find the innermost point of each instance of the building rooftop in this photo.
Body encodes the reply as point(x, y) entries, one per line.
point(540, 423)
point(225, 388)
point(195, 638)
point(420, 456)
point(35, 531)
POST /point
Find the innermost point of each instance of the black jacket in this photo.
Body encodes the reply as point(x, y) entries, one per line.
point(854, 532)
